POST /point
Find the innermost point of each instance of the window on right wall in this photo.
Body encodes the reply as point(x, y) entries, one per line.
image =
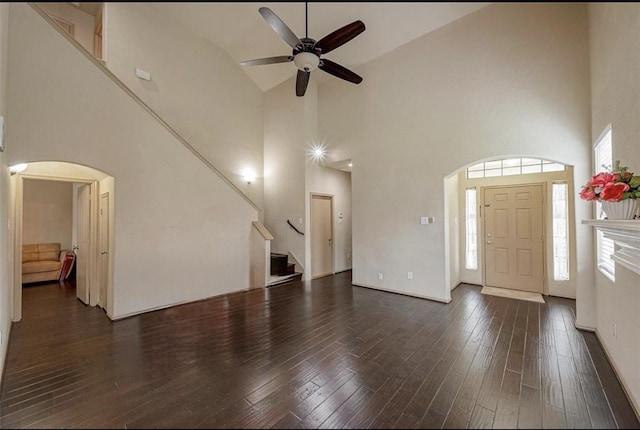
point(604, 160)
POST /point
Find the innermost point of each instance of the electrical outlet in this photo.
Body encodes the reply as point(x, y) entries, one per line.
point(409, 275)
point(380, 277)
point(615, 329)
point(348, 256)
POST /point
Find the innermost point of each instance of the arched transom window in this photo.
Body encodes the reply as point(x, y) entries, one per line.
point(512, 166)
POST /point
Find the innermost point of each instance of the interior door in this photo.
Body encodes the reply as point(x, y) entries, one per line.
point(103, 243)
point(82, 249)
point(513, 229)
point(321, 236)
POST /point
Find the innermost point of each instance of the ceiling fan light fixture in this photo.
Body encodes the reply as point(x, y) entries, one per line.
point(306, 61)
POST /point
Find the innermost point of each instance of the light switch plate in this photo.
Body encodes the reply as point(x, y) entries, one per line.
point(143, 74)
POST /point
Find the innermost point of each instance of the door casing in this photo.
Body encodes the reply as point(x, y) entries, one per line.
point(317, 244)
point(83, 285)
point(104, 249)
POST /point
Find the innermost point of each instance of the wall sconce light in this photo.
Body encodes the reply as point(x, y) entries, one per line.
point(249, 176)
point(17, 168)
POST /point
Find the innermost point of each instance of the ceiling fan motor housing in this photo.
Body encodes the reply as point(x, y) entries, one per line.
point(306, 57)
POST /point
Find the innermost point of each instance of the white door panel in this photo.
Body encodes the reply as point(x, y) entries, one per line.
point(513, 226)
point(82, 253)
point(321, 236)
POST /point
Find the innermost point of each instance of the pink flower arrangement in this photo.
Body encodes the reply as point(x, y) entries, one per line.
point(612, 186)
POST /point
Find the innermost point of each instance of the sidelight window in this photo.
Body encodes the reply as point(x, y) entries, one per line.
point(471, 222)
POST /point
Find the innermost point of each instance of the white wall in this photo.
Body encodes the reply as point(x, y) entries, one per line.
point(6, 245)
point(292, 175)
point(323, 180)
point(195, 87)
point(84, 23)
point(507, 79)
point(285, 155)
point(47, 215)
point(615, 36)
point(452, 232)
point(181, 232)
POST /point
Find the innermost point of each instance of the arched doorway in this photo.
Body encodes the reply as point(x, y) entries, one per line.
point(471, 222)
point(92, 227)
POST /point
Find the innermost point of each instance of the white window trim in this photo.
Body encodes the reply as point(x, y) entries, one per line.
point(607, 268)
point(480, 170)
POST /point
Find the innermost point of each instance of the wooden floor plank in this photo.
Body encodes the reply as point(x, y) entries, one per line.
point(318, 354)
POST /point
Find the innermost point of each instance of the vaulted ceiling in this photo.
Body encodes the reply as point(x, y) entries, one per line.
point(240, 30)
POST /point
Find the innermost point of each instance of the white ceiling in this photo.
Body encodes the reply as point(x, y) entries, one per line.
point(240, 30)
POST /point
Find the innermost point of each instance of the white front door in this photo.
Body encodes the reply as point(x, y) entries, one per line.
point(82, 251)
point(321, 236)
point(513, 230)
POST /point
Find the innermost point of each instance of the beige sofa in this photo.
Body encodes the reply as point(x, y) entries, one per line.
point(41, 262)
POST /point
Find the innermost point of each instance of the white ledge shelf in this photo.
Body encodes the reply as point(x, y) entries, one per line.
point(626, 234)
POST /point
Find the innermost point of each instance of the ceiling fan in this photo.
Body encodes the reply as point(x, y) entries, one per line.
point(306, 52)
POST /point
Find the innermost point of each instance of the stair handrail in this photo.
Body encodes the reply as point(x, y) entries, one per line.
point(145, 106)
point(262, 230)
point(294, 227)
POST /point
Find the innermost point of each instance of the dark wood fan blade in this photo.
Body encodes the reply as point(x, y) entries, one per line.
point(341, 72)
point(302, 80)
point(280, 27)
point(270, 60)
point(340, 36)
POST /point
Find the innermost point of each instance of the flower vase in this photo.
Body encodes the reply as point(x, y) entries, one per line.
point(622, 210)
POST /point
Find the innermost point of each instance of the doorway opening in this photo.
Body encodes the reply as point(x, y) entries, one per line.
point(505, 223)
point(328, 241)
point(72, 218)
point(321, 235)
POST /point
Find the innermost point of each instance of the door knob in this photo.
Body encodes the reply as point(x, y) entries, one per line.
point(104, 252)
point(488, 241)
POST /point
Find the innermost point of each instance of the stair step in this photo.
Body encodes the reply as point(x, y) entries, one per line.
point(279, 263)
point(280, 280)
point(290, 270)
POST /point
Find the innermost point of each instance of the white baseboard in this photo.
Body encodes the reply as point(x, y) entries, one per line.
point(616, 371)
point(404, 293)
point(584, 327)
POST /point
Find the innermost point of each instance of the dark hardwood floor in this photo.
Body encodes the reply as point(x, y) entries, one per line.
point(322, 354)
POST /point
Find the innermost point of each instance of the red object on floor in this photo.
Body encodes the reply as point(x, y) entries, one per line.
point(67, 265)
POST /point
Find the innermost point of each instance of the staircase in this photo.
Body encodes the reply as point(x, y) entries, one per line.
point(282, 271)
